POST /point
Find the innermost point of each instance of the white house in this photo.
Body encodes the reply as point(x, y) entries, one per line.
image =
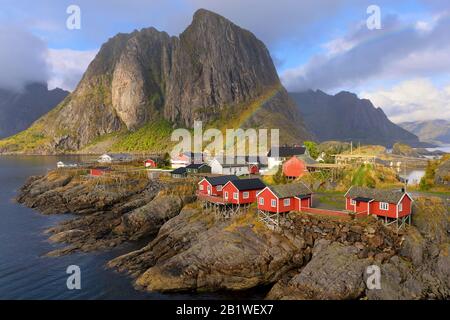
point(61, 164)
point(238, 169)
point(186, 158)
point(108, 158)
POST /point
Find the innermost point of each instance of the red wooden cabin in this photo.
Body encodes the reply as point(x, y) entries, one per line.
point(242, 191)
point(253, 169)
point(99, 171)
point(385, 203)
point(284, 198)
point(150, 163)
point(213, 185)
point(297, 166)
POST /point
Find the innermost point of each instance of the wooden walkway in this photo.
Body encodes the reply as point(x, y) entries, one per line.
point(210, 198)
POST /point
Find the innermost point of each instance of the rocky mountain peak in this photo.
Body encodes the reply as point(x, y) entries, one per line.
point(212, 72)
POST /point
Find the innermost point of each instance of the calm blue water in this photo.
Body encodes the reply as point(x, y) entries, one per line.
point(26, 274)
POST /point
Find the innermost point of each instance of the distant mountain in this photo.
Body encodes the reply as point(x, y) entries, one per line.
point(345, 117)
point(18, 110)
point(432, 131)
point(214, 71)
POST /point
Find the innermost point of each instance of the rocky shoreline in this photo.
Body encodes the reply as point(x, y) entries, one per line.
point(192, 249)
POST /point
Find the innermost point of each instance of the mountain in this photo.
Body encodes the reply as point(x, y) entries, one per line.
point(432, 131)
point(147, 82)
point(345, 117)
point(20, 109)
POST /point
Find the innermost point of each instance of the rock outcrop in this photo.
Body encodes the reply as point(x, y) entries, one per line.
point(214, 71)
point(110, 210)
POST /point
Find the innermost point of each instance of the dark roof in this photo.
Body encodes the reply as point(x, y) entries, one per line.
point(307, 159)
point(290, 190)
point(180, 170)
point(362, 199)
point(390, 196)
point(221, 180)
point(248, 184)
point(284, 152)
point(196, 165)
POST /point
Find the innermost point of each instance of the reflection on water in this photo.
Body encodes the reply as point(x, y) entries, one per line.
point(413, 176)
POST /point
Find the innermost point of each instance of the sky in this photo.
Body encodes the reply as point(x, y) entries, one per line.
point(403, 66)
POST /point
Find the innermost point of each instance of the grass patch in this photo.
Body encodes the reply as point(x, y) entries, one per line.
point(154, 136)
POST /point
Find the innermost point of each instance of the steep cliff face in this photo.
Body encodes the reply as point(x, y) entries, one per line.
point(213, 69)
point(346, 117)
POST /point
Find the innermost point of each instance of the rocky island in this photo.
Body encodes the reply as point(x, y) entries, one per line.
point(193, 249)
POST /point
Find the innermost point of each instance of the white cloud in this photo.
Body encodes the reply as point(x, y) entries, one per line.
point(22, 58)
point(67, 67)
point(396, 51)
point(412, 100)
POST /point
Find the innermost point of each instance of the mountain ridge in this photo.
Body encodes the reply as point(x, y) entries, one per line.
point(432, 131)
point(19, 109)
point(213, 68)
point(346, 117)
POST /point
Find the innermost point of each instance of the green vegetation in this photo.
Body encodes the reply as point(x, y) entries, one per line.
point(332, 200)
point(428, 181)
point(369, 175)
point(312, 148)
point(330, 148)
point(154, 136)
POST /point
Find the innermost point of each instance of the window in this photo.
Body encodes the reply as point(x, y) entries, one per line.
point(384, 206)
point(201, 187)
point(209, 189)
point(235, 196)
point(226, 194)
point(400, 207)
point(245, 195)
point(273, 203)
point(261, 201)
point(352, 202)
point(219, 188)
point(287, 202)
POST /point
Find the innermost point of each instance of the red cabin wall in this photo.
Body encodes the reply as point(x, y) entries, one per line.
point(390, 213)
point(294, 167)
point(97, 172)
point(254, 169)
point(406, 207)
point(268, 196)
point(231, 189)
point(150, 163)
point(305, 203)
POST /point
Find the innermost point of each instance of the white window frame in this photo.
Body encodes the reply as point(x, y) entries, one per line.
point(273, 203)
point(261, 201)
point(236, 195)
point(384, 206)
point(400, 206)
point(352, 202)
point(219, 188)
point(286, 202)
point(225, 194)
point(209, 189)
point(246, 195)
point(201, 187)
